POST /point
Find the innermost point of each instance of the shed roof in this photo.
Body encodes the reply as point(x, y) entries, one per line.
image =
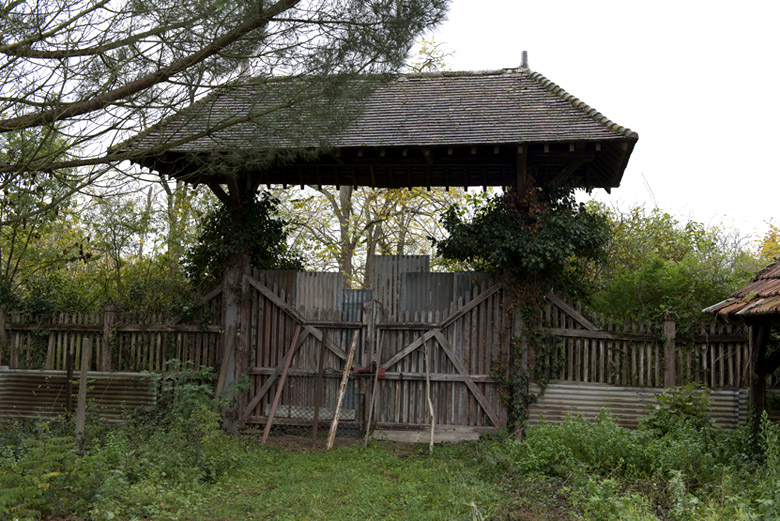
point(442, 108)
point(434, 110)
point(759, 298)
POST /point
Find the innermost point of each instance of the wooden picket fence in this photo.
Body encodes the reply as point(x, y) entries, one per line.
point(644, 355)
point(298, 328)
point(118, 341)
point(588, 350)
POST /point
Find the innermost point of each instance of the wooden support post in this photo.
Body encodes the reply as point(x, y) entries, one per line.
point(522, 169)
point(232, 301)
point(342, 390)
point(244, 337)
point(670, 352)
point(81, 407)
point(318, 389)
point(759, 336)
point(370, 319)
point(280, 387)
point(110, 319)
point(13, 347)
point(428, 396)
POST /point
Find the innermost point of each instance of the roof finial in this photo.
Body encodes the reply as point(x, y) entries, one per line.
point(525, 60)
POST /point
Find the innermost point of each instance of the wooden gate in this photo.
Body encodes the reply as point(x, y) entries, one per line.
point(302, 326)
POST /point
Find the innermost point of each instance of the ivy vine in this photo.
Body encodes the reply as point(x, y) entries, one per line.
point(535, 241)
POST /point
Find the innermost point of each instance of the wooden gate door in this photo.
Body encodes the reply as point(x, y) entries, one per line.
point(462, 346)
point(290, 352)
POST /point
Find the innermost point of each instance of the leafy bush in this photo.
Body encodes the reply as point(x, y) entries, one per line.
point(252, 228)
point(126, 468)
point(677, 465)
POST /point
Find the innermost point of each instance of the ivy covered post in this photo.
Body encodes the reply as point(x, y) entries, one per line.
point(534, 239)
point(234, 346)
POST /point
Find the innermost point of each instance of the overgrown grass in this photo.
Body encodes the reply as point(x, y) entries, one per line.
point(675, 466)
point(177, 465)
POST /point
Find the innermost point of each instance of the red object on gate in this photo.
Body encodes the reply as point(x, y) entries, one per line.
point(368, 371)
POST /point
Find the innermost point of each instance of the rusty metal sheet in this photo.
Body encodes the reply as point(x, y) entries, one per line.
point(760, 297)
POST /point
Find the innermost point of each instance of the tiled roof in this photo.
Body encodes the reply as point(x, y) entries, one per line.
point(457, 108)
point(760, 297)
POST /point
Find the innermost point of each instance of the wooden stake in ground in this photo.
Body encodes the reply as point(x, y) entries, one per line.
point(342, 390)
point(81, 406)
point(372, 404)
point(279, 389)
point(318, 391)
point(428, 394)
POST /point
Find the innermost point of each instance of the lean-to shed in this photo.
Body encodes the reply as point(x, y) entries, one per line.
point(758, 305)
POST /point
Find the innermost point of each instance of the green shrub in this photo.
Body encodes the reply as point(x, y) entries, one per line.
point(125, 469)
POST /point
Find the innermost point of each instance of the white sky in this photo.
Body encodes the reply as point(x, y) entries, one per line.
point(699, 81)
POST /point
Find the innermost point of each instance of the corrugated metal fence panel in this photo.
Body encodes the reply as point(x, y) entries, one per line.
point(319, 295)
point(627, 404)
point(431, 292)
point(386, 279)
point(422, 292)
point(34, 394)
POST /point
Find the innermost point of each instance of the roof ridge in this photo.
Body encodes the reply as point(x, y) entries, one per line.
point(577, 103)
point(455, 74)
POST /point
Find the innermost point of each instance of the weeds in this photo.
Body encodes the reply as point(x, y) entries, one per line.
point(175, 464)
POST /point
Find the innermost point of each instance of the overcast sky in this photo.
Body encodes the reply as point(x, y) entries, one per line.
point(699, 82)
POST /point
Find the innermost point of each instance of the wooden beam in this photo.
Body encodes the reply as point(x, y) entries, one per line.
point(461, 368)
point(270, 295)
point(217, 190)
point(318, 394)
point(471, 304)
point(600, 335)
point(566, 172)
point(468, 306)
point(274, 374)
point(406, 351)
point(427, 155)
point(521, 170)
point(280, 387)
point(203, 300)
point(576, 315)
point(342, 391)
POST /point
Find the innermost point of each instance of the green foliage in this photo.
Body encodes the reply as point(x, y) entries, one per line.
point(32, 482)
point(679, 407)
point(657, 266)
point(227, 232)
point(38, 231)
point(769, 247)
point(125, 471)
point(512, 376)
point(542, 238)
point(675, 466)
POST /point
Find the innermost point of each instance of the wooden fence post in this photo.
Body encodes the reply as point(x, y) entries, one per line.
point(3, 332)
point(110, 319)
point(670, 352)
point(233, 358)
point(81, 405)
